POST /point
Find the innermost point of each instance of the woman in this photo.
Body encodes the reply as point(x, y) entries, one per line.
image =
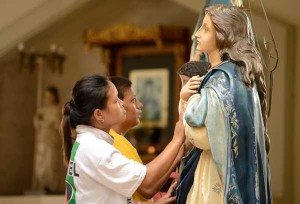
point(97, 172)
point(227, 120)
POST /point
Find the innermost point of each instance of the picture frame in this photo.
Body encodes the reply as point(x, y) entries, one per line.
point(152, 87)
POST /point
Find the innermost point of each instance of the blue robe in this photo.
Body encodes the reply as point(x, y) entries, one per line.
point(231, 113)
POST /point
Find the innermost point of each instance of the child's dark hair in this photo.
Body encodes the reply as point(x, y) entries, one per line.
point(194, 68)
point(88, 94)
point(121, 84)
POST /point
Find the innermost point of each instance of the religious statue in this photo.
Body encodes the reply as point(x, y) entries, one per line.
point(48, 162)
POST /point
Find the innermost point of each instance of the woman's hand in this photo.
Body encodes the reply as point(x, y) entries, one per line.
point(190, 87)
point(167, 198)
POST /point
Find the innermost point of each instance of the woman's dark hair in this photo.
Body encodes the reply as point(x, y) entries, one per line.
point(194, 68)
point(88, 94)
point(121, 84)
point(54, 91)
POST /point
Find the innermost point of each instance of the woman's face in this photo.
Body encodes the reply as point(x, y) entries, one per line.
point(114, 112)
point(133, 108)
point(206, 36)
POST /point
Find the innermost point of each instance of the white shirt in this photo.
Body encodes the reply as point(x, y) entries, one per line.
point(99, 173)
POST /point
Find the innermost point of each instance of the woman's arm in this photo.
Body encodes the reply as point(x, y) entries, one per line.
point(165, 199)
point(163, 164)
point(165, 178)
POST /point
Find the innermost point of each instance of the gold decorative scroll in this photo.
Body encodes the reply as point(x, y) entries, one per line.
point(123, 34)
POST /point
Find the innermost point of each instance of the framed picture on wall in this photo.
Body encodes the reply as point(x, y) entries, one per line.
point(153, 72)
point(152, 89)
point(151, 66)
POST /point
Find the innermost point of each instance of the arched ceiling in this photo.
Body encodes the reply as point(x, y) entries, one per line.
point(20, 20)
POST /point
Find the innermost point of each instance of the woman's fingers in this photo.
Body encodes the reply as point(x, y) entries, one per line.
point(172, 187)
point(166, 200)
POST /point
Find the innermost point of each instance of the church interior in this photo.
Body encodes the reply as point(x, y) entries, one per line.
point(54, 43)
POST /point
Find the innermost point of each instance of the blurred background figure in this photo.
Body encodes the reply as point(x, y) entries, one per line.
point(48, 166)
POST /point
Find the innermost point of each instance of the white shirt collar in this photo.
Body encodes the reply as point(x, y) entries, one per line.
point(80, 129)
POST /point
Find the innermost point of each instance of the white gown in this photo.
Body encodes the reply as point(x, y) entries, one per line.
point(207, 186)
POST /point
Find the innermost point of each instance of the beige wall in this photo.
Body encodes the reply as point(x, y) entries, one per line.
point(296, 141)
point(280, 121)
point(17, 98)
point(18, 90)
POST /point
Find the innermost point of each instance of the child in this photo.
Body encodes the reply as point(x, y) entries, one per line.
point(133, 109)
point(97, 172)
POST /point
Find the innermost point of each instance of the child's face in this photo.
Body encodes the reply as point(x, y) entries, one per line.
point(184, 80)
point(133, 108)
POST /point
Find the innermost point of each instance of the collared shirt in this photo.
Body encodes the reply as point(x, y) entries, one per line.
point(99, 173)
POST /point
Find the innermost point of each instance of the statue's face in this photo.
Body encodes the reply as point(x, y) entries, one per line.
point(206, 36)
point(49, 99)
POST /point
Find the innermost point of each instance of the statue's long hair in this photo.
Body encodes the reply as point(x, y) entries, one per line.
point(235, 41)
